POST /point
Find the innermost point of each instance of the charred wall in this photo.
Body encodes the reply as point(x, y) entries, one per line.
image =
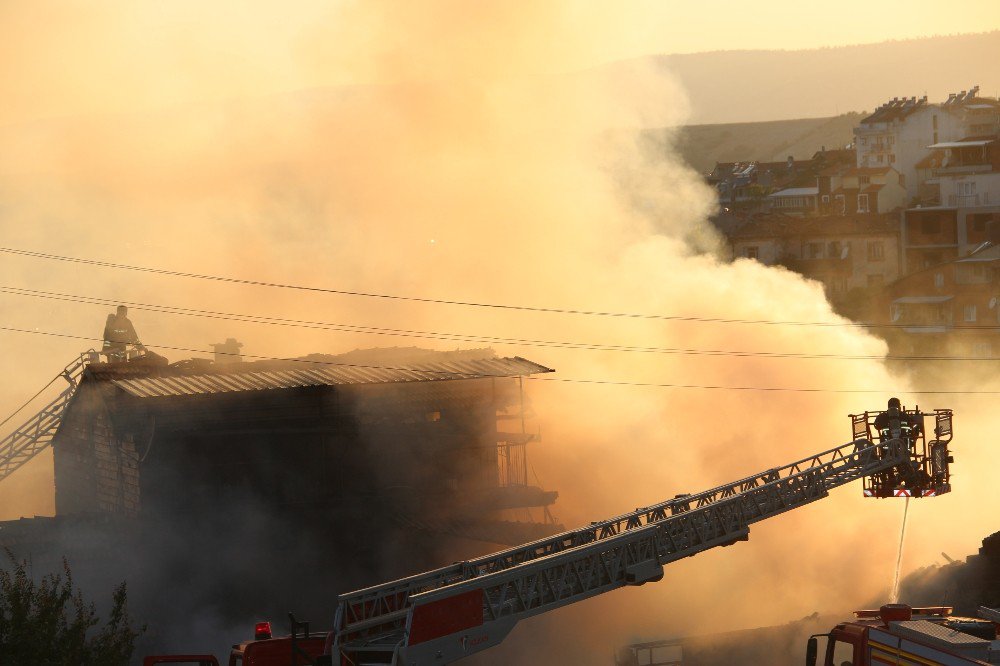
point(96, 464)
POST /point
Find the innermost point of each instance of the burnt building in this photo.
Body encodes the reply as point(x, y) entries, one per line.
point(441, 441)
point(252, 488)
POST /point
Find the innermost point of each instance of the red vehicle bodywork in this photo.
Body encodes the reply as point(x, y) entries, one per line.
point(199, 659)
point(277, 651)
point(878, 637)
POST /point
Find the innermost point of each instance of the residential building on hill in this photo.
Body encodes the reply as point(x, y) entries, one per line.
point(790, 187)
point(899, 132)
point(866, 190)
point(959, 199)
point(842, 252)
point(950, 308)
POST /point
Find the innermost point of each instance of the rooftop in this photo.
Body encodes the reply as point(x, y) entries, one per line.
point(796, 192)
point(197, 378)
point(868, 171)
point(964, 143)
point(895, 109)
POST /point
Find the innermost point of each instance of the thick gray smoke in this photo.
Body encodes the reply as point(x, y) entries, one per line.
point(449, 170)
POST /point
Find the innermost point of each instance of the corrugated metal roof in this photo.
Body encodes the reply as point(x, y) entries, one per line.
point(325, 374)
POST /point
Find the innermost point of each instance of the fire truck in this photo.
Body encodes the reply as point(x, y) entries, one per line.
point(447, 614)
point(899, 634)
point(296, 649)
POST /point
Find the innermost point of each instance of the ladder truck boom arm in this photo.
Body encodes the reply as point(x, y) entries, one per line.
point(449, 613)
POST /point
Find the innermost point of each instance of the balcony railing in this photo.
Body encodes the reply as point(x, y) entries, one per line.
point(962, 168)
point(969, 200)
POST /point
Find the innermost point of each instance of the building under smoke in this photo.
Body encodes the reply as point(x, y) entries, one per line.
point(345, 469)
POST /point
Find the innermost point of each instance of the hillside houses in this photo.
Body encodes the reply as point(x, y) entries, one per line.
point(916, 194)
point(843, 252)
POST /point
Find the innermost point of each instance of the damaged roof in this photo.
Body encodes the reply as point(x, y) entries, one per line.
point(324, 374)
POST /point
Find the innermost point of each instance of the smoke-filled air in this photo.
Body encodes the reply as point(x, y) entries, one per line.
point(470, 153)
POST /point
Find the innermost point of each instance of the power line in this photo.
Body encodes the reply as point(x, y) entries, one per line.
point(449, 373)
point(440, 301)
point(601, 382)
point(31, 399)
point(460, 337)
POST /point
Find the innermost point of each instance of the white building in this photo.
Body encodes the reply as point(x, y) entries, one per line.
point(900, 131)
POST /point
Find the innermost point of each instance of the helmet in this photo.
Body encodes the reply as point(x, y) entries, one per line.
point(894, 402)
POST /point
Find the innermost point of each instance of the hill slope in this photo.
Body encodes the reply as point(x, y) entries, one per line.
point(704, 145)
point(743, 86)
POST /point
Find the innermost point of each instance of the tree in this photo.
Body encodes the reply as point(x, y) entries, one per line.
point(49, 624)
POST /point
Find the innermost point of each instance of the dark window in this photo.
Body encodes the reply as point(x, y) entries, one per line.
point(930, 225)
point(876, 250)
point(977, 223)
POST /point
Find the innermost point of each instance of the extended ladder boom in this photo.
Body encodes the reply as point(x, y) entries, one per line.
point(449, 613)
point(32, 437)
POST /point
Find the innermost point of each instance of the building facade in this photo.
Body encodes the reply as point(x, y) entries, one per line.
point(842, 252)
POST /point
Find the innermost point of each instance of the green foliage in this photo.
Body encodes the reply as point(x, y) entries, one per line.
point(47, 623)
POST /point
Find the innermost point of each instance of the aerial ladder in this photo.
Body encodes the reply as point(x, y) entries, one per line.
point(36, 434)
point(444, 615)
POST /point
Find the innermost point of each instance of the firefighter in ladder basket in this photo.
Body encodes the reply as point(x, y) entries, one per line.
point(896, 423)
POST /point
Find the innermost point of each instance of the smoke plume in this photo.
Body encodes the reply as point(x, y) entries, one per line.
point(449, 151)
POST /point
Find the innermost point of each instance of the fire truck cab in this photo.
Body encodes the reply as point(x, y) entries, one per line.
point(899, 634)
point(292, 650)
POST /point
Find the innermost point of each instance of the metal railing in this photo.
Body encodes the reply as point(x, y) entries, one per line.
point(36, 434)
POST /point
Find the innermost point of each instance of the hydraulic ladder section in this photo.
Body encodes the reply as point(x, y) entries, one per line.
point(444, 615)
point(33, 436)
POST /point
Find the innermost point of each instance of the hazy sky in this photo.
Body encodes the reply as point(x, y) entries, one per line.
point(486, 190)
point(84, 57)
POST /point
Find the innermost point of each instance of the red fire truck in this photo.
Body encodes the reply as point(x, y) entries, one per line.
point(296, 649)
point(905, 636)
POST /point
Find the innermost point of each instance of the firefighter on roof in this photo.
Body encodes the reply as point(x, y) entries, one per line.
point(119, 333)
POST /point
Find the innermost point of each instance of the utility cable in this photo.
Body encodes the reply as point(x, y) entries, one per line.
point(460, 375)
point(461, 337)
point(440, 301)
point(31, 399)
